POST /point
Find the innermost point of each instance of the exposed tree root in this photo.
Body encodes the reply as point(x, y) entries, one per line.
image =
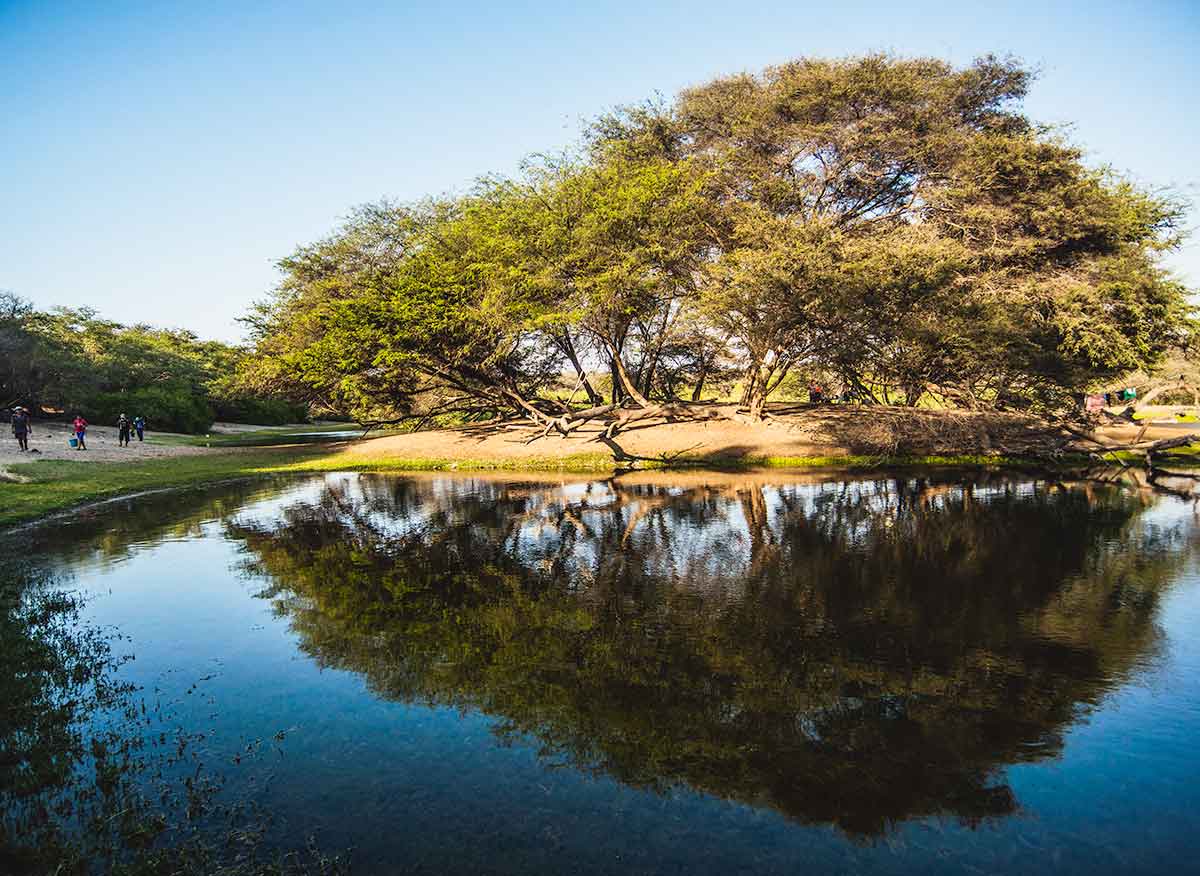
point(621, 456)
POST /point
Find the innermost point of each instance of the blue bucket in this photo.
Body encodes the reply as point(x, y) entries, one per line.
point(74, 442)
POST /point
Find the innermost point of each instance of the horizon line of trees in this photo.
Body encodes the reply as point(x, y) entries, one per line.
point(72, 361)
point(897, 226)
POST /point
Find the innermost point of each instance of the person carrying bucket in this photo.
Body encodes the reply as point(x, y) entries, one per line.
point(80, 426)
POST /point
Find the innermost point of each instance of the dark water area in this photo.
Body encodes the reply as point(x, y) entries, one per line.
point(700, 673)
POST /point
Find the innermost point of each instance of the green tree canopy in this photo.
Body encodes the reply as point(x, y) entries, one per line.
point(74, 361)
point(897, 223)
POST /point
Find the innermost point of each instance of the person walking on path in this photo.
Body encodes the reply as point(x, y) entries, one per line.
point(139, 423)
point(123, 428)
point(80, 427)
point(21, 427)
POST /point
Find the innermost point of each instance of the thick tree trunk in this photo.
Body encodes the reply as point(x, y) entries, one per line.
point(755, 402)
point(754, 394)
point(699, 387)
point(623, 376)
point(568, 347)
point(647, 381)
point(751, 377)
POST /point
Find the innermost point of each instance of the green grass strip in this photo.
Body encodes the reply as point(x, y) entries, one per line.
point(58, 485)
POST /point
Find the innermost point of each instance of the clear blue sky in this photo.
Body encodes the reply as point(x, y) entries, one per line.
point(157, 158)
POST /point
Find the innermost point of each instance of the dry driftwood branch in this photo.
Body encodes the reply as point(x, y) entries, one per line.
point(621, 455)
point(1152, 447)
point(619, 417)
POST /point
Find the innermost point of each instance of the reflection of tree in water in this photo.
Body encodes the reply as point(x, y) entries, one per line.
point(49, 675)
point(856, 653)
point(110, 530)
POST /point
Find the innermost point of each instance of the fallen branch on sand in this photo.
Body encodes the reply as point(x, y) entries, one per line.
point(619, 417)
point(1152, 452)
point(1151, 447)
point(620, 455)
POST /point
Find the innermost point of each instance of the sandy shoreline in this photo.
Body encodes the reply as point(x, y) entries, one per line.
point(825, 431)
point(50, 439)
point(831, 431)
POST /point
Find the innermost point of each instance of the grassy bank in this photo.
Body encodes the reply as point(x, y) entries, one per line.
point(587, 463)
point(56, 485)
point(50, 486)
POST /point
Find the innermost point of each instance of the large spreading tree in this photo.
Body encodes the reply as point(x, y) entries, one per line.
point(897, 226)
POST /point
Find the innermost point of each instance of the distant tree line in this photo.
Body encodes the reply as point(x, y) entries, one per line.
point(75, 362)
point(897, 226)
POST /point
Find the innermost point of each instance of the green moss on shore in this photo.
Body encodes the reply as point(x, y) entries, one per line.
point(53, 486)
point(49, 486)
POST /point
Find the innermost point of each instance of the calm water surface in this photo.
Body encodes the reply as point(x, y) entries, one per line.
point(687, 674)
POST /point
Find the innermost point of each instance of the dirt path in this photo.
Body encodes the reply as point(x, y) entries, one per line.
point(50, 440)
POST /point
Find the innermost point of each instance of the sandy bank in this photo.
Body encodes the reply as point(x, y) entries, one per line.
point(831, 431)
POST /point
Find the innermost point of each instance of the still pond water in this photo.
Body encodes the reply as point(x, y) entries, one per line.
point(683, 674)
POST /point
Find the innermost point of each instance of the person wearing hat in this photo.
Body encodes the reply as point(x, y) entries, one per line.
point(21, 427)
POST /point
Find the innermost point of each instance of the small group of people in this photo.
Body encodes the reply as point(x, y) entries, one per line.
point(125, 429)
point(818, 395)
point(126, 426)
point(22, 429)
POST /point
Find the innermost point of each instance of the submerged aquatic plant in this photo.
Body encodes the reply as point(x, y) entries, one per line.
point(94, 776)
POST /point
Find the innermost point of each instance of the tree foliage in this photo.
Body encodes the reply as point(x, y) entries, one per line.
point(73, 361)
point(895, 223)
